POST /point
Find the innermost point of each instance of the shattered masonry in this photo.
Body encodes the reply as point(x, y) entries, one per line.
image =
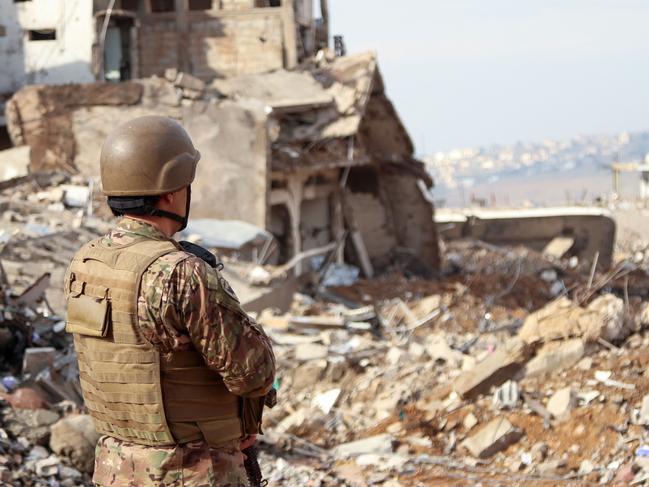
point(307, 155)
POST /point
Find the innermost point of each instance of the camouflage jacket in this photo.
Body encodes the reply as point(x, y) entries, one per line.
point(184, 303)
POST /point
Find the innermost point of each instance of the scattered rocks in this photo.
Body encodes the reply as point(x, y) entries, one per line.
point(75, 438)
point(497, 435)
point(561, 403)
point(380, 444)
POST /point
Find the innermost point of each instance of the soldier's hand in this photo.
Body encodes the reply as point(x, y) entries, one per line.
point(247, 442)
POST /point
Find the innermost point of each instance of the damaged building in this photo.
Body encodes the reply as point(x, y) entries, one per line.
point(295, 140)
point(313, 155)
point(55, 42)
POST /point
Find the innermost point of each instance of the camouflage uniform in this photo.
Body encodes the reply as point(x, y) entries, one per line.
point(183, 303)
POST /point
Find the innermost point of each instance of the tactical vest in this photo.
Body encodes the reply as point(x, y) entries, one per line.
point(132, 391)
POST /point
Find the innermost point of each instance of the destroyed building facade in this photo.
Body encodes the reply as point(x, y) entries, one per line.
point(294, 139)
point(311, 155)
point(54, 42)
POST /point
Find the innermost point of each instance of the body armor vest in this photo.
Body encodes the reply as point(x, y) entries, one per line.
point(132, 391)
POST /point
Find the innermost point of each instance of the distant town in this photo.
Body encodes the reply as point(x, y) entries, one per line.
point(486, 173)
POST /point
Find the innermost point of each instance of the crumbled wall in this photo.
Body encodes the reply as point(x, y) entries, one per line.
point(216, 46)
point(232, 177)
point(316, 223)
point(376, 229)
point(412, 217)
point(158, 40)
point(42, 117)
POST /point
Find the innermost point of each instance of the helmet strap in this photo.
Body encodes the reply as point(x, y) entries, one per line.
point(143, 207)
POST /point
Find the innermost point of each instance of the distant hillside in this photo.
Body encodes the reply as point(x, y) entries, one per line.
point(535, 173)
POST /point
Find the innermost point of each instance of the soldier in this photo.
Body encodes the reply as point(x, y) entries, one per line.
point(168, 360)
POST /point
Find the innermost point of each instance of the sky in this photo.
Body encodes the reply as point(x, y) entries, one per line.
point(466, 73)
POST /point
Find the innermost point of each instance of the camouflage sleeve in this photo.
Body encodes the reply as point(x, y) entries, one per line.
point(201, 303)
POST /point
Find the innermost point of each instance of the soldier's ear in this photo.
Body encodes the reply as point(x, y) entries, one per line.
point(167, 199)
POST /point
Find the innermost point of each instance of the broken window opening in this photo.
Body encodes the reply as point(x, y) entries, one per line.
point(363, 179)
point(42, 35)
point(280, 227)
point(21, 1)
point(200, 4)
point(118, 50)
point(5, 140)
point(3, 31)
point(132, 5)
point(267, 3)
point(158, 6)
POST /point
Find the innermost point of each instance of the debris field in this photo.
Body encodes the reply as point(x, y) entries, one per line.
point(511, 366)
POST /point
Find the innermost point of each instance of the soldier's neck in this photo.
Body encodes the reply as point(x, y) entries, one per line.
point(165, 225)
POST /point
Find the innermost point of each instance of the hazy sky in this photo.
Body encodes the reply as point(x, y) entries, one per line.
point(463, 73)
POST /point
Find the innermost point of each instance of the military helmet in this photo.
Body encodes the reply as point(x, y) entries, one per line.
point(147, 156)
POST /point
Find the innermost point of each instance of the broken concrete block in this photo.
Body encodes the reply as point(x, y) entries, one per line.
point(469, 421)
point(394, 355)
point(47, 467)
point(551, 467)
point(438, 349)
point(554, 356)
point(76, 196)
point(539, 452)
point(189, 82)
point(15, 162)
point(562, 402)
point(37, 359)
point(379, 444)
point(75, 437)
point(498, 367)
point(610, 309)
point(603, 318)
point(171, 74)
point(327, 400)
point(644, 411)
point(308, 373)
point(497, 435)
point(506, 396)
point(558, 247)
point(310, 351)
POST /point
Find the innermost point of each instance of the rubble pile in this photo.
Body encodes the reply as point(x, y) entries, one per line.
point(44, 440)
point(509, 367)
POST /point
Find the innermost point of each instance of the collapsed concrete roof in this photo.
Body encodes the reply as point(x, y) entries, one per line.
point(317, 112)
point(269, 141)
point(338, 93)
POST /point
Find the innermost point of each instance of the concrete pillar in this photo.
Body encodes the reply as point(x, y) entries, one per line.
point(338, 224)
point(295, 188)
point(290, 41)
point(182, 30)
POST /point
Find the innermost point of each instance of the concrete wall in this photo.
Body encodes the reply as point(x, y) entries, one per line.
point(232, 179)
point(64, 59)
point(592, 230)
point(412, 216)
point(236, 45)
point(217, 43)
point(374, 224)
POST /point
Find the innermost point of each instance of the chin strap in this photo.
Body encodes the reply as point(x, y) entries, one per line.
point(141, 206)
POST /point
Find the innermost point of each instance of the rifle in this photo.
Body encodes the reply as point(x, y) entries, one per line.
point(255, 409)
point(253, 470)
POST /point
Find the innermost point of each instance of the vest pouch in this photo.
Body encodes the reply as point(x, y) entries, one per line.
point(252, 409)
point(88, 316)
